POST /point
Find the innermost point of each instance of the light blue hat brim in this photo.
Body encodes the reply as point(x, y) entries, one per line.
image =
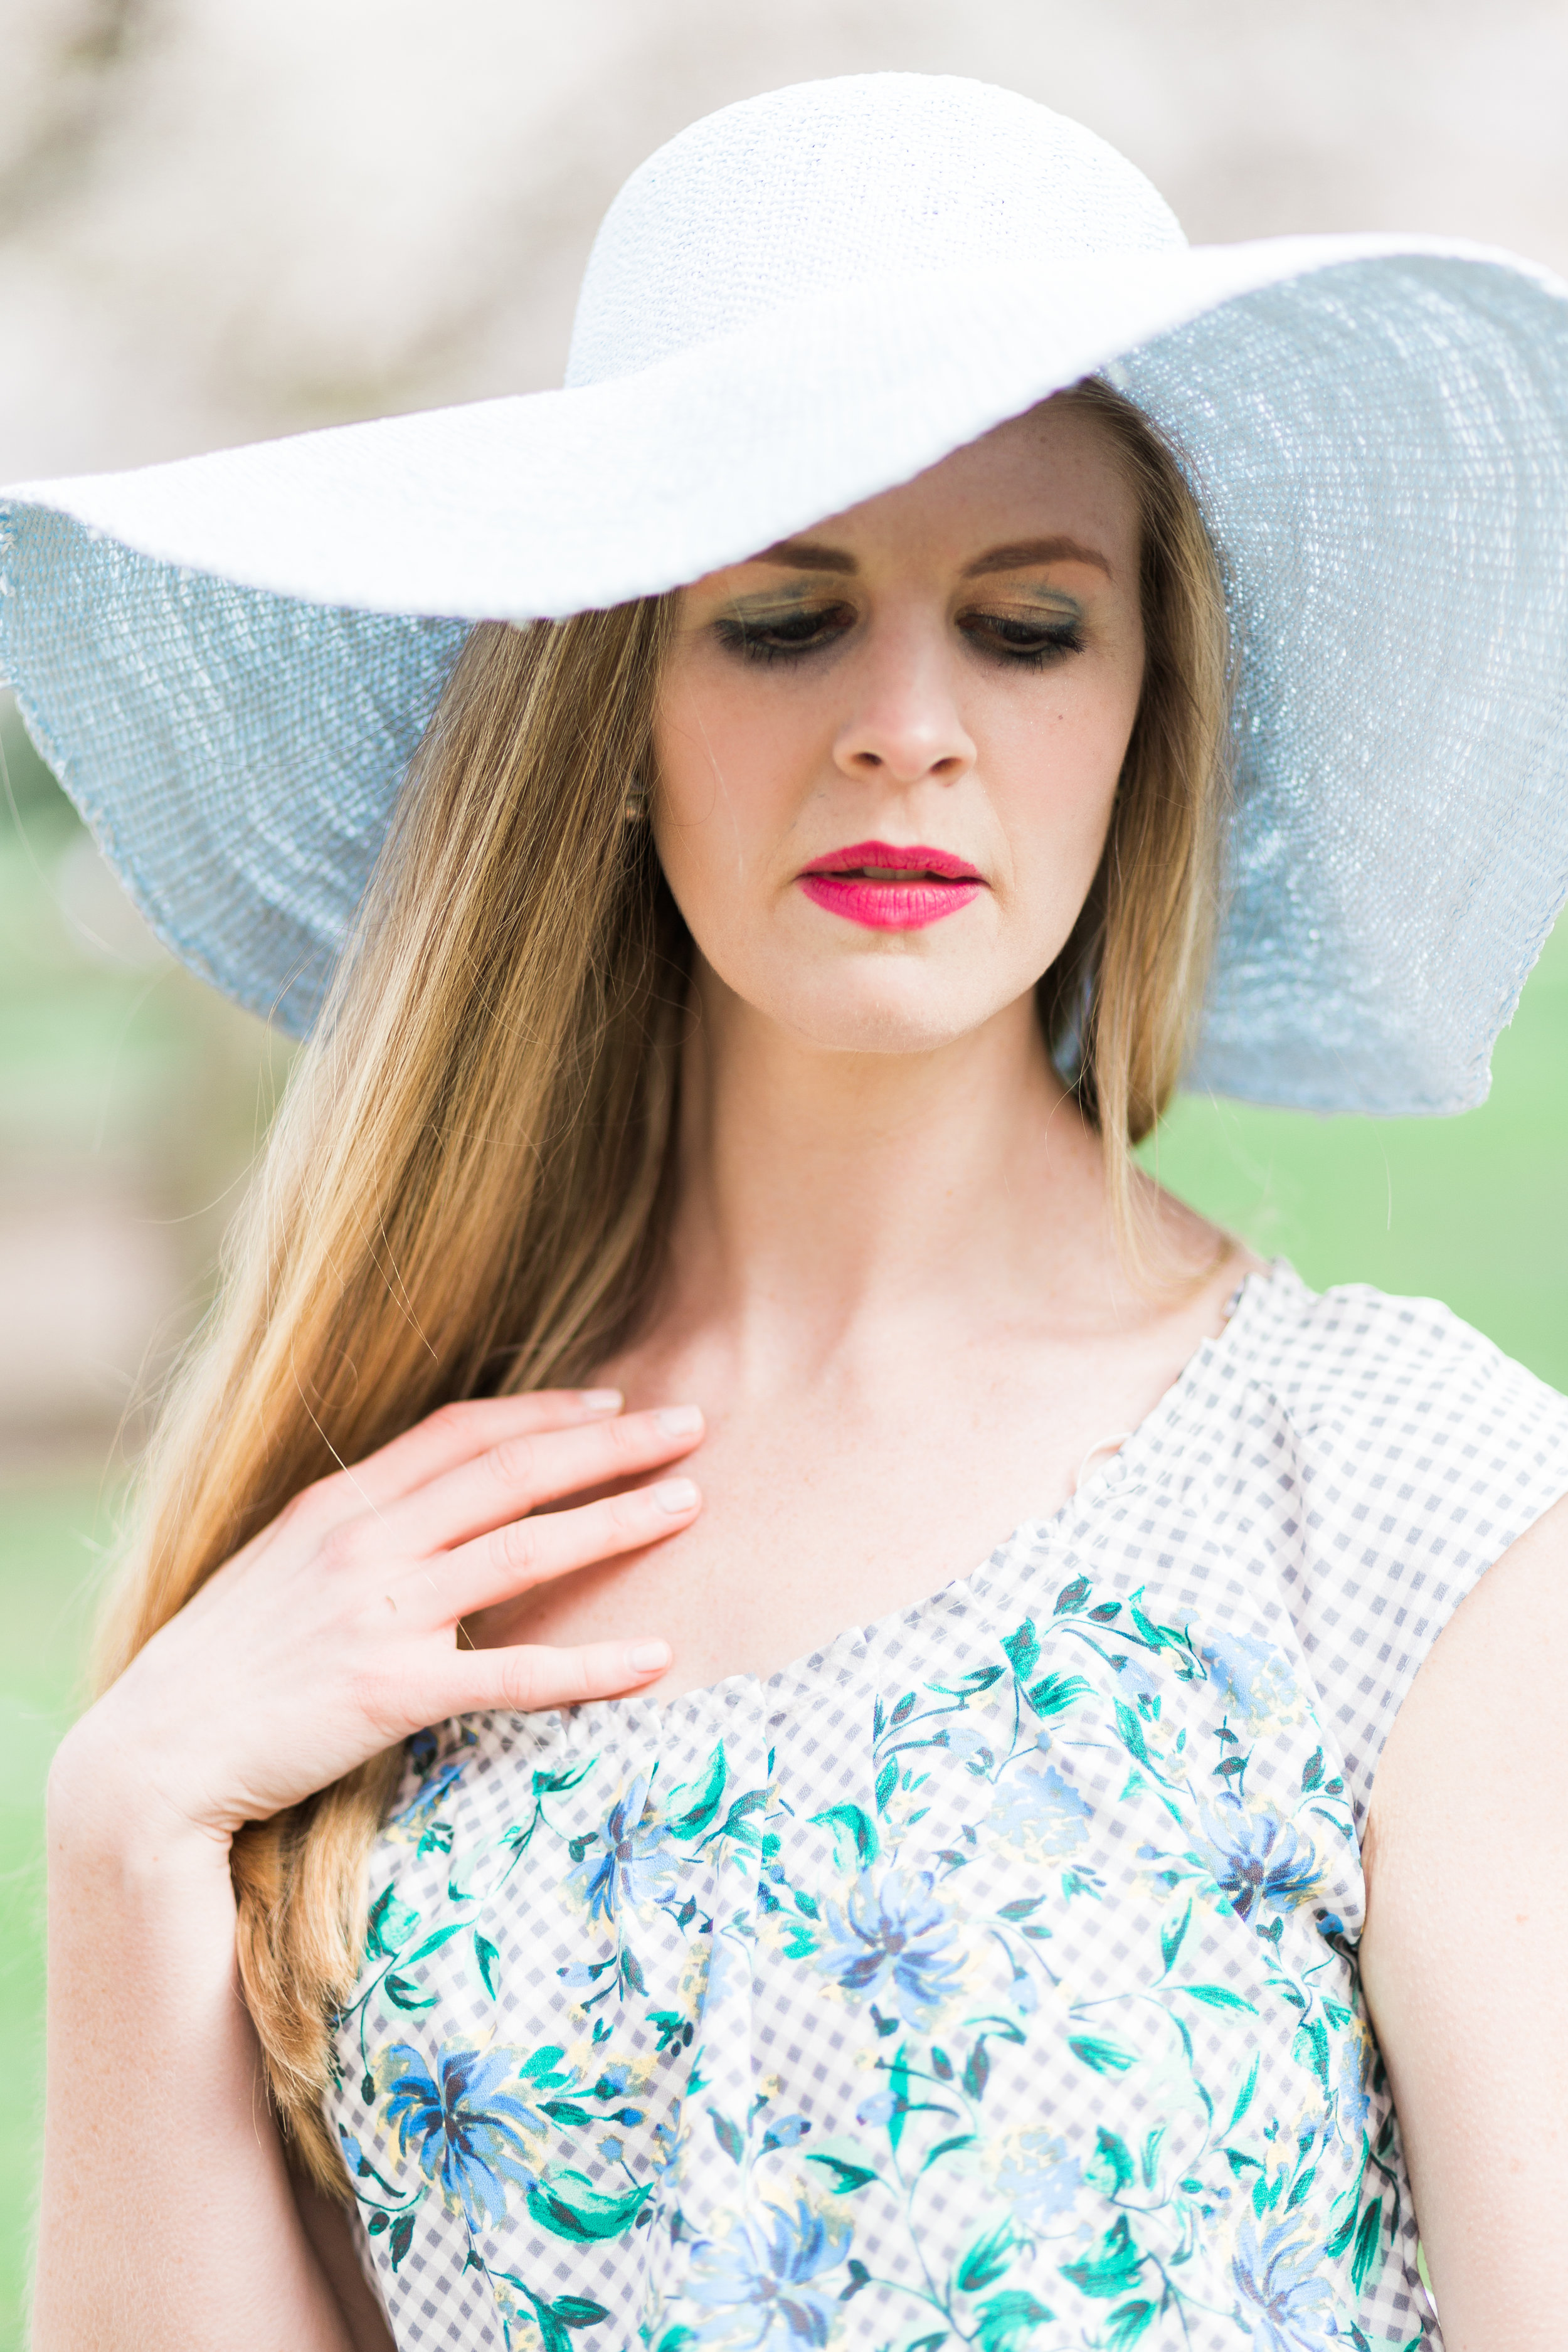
point(227, 660)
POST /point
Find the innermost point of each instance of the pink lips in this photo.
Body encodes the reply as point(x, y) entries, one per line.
point(891, 885)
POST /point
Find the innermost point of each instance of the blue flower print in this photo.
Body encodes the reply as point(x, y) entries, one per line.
point(1353, 2104)
point(1038, 2180)
point(1041, 1812)
point(637, 1865)
point(1285, 2299)
point(893, 1937)
point(469, 2133)
point(1257, 1857)
point(1251, 1676)
point(757, 2282)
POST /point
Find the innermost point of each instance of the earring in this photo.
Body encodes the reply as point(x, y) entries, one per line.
point(634, 808)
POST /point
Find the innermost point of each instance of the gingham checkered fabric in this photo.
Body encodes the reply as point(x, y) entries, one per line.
point(990, 1977)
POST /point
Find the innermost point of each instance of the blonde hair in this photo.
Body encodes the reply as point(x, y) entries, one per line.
point(467, 1188)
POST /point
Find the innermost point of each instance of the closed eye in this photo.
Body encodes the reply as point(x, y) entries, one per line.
point(784, 635)
point(1028, 643)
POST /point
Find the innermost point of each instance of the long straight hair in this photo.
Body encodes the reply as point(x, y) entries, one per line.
point(468, 1190)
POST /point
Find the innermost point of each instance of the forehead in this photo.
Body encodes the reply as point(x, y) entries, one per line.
point(1053, 473)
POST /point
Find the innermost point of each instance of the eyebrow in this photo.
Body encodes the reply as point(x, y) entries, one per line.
point(807, 555)
point(1024, 552)
point(1019, 555)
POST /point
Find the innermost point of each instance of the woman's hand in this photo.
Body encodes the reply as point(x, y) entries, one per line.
point(336, 1633)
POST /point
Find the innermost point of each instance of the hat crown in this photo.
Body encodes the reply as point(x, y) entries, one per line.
point(815, 189)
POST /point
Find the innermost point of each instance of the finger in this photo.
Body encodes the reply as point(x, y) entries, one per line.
point(525, 1679)
point(515, 1476)
point(451, 1435)
point(525, 1552)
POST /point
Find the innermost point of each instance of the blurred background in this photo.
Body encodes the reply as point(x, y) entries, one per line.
point(222, 223)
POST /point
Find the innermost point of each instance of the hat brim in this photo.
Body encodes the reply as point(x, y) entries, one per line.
point(230, 658)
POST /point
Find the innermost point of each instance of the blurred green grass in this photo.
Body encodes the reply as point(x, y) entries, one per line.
point(143, 1073)
point(50, 1532)
point(1473, 1211)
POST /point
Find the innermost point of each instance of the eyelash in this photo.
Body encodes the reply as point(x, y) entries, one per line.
point(1033, 647)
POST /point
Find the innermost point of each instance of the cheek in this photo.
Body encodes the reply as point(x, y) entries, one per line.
point(1053, 781)
point(734, 764)
point(721, 754)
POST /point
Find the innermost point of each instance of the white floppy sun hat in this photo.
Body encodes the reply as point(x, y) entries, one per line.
point(799, 302)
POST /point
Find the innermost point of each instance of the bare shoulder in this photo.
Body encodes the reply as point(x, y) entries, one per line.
point(1507, 1640)
point(1467, 1868)
point(1195, 1263)
point(330, 2230)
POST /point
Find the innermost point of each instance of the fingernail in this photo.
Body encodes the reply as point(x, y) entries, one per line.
point(602, 1400)
point(680, 1421)
point(647, 1657)
point(675, 1494)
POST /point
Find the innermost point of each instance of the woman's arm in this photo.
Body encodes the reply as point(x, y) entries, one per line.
point(1466, 1950)
point(167, 2215)
point(169, 2218)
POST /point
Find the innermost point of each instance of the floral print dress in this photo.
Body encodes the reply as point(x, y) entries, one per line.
point(989, 1979)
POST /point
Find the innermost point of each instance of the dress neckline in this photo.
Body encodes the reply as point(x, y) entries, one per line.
point(834, 1661)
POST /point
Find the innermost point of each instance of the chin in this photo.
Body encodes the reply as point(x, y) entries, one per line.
point(878, 1009)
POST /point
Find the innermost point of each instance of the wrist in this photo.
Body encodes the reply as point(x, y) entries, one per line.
point(103, 1804)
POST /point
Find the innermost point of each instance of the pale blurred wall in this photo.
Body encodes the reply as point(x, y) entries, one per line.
point(245, 216)
point(221, 218)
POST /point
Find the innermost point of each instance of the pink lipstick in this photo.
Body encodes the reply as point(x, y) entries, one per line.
point(891, 885)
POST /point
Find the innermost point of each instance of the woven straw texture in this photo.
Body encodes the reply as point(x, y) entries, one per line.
point(801, 301)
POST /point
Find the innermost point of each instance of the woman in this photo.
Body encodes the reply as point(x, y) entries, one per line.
point(704, 1223)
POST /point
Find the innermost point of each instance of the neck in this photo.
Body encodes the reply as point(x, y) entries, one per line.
point(825, 1197)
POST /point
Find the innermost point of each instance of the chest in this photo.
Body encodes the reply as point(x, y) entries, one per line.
point(850, 1493)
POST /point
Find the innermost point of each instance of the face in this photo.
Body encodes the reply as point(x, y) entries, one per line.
point(887, 750)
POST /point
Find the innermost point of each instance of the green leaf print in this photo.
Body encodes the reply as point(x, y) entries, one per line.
point(1052, 1693)
point(404, 1994)
point(1128, 2324)
point(887, 1782)
point(1217, 1997)
point(847, 2177)
point(553, 2319)
point(1111, 2167)
point(1113, 2269)
point(569, 1776)
point(1159, 1637)
point(431, 1943)
point(1152, 2155)
point(487, 1956)
point(1313, 1771)
point(898, 2082)
point(1071, 1597)
point(1244, 2098)
point(737, 1825)
point(1366, 2259)
point(730, 2136)
point(1170, 1938)
point(1105, 2057)
point(1023, 1649)
point(857, 1827)
point(701, 1815)
point(1007, 2319)
point(584, 2216)
point(391, 1926)
point(986, 2260)
point(1311, 2048)
point(1131, 1733)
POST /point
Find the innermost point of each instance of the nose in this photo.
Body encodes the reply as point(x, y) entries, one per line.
point(904, 722)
